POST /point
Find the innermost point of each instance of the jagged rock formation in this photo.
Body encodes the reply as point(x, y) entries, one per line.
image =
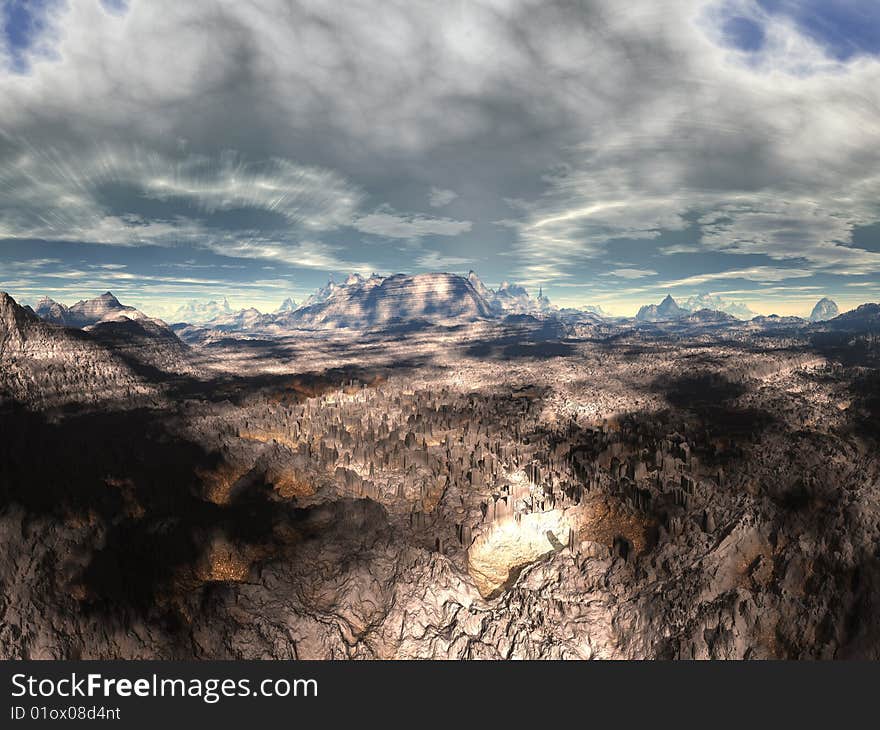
point(331, 287)
point(16, 324)
point(478, 285)
point(288, 305)
point(511, 298)
point(126, 331)
point(52, 311)
point(84, 313)
point(668, 309)
point(92, 311)
point(49, 365)
point(825, 309)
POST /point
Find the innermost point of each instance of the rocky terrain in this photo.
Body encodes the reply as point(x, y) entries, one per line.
point(403, 471)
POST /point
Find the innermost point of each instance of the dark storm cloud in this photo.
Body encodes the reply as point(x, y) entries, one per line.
point(588, 146)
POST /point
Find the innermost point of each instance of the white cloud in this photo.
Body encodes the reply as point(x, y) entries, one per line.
point(391, 224)
point(606, 125)
point(303, 254)
point(754, 273)
point(631, 273)
point(438, 197)
point(437, 261)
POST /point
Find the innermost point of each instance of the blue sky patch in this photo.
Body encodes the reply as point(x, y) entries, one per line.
point(845, 29)
point(743, 33)
point(23, 21)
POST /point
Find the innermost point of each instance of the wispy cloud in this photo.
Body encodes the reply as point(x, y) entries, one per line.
point(631, 273)
point(755, 273)
point(391, 224)
point(437, 261)
point(438, 197)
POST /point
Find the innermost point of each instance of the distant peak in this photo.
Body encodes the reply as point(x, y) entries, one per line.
point(825, 309)
point(288, 305)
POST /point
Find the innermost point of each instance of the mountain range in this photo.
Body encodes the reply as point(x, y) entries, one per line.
point(669, 309)
point(716, 303)
point(86, 312)
point(51, 364)
point(53, 360)
point(390, 301)
point(511, 298)
point(379, 302)
point(195, 311)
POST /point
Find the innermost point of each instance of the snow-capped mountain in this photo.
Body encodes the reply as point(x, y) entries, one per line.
point(243, 319)
point(89, 312)
point(196, 311)
point(288, 305)
point(85, 312)
point(595, 309)
point(375, 302)
point(479, 286)
point(124, 329)
point(825, 309)
point(52, 311)
point(667, 310)
point(511, 298)
point(92, 311)
point(716, 303)
point(331, 287)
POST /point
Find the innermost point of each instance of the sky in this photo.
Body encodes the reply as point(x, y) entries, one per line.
point(609, 152)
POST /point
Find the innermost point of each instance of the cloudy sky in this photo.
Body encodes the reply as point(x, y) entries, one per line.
point(611, 152)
